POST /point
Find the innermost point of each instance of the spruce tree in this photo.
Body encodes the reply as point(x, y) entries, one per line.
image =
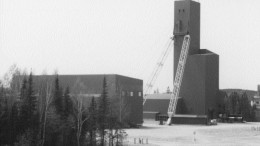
point(234, 103)
point(24, 111)
point(68, 103)
point(33, 119)
point(29, 117)
point(244, 107)
point(31, 98)
point(63, 102)
point(28, 104)
point(23, 92)
point(4, 120)
point(103, 109)
point(63, 107)
point(92, 122)
point(14, 122)
point(58, 101)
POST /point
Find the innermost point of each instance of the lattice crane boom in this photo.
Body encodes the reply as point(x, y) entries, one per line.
point(156, 71)
point(178, 78)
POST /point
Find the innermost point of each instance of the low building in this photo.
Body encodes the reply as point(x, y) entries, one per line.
point(125, 93)
point(156, 107)
point(156, 104)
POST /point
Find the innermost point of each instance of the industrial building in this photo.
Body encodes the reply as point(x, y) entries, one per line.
point(200, 83)
point(125, 93)
point(198, 94)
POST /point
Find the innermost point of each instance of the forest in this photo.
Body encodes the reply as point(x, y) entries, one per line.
point(50, 115)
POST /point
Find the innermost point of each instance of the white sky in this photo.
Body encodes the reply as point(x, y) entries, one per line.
point(125, 37)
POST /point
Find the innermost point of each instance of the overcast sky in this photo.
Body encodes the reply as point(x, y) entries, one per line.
point(125, 37)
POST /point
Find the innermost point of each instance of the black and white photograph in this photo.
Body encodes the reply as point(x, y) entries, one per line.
point(129, 72)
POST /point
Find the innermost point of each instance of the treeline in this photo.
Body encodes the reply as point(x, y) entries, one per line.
point(238, 104)
point(50, 115)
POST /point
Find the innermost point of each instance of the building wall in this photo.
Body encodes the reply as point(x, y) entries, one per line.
point(157, 105)
point(186, 21)
point(88, 85)
point(193, 85)
point(84, 84)
point(134, 100)
point(212, 83)
point(200, 83)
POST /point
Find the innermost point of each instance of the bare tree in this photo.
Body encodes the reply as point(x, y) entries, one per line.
point(118, 115)
point(80, 110)
point(81, 119)
point(48, 99)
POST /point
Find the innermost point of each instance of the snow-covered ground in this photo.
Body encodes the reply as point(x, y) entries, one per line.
point(235, 134)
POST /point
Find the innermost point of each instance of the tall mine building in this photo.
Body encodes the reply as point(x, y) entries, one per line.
point(200, 84)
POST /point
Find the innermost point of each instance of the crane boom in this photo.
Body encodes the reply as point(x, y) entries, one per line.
point(178, 78)
point(156, 71)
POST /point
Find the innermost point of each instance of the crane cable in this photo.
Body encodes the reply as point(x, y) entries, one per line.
point(157, 69)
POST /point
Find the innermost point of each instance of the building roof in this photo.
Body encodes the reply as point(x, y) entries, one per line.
point(84, 84)
point(206, 52)
point(159, 96)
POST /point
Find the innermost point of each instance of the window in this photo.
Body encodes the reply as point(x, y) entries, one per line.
point(131, 93)
point(178, 26)
point(139, 94)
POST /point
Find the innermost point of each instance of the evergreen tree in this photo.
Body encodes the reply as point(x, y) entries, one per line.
point(67, 122)
point(28, 108)
point(23, 92)
point(225, 106)
point(24, 114)
point(63, 109)
point(92, 122)
point(4, 128)
point(59, 110)
point(58, 98)
point(31, 101)
point(2, 102)
point(68, 103)
point(29, 117)
point(244, 107)
point(233, 103)
point(14, 122)
point(103, 112)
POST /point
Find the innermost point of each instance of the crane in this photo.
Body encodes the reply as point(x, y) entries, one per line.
point(178, 78)
point(157, 70)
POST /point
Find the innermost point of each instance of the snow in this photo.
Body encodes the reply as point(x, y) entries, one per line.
point(234, 134)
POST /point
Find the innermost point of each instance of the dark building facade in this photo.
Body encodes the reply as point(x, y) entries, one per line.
point(156, 104)
point(199, 91)
point(125, 93)
point(200, 84)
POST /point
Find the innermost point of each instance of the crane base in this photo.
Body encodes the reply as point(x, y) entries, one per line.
point(184, 119)
point(169, 121)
